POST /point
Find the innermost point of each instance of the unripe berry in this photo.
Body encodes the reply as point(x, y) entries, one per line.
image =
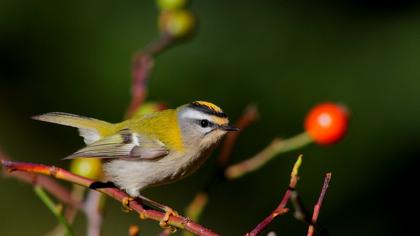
point(327, 123)
point(87, 167)
point(149, 107)
point(170, 5)
point(178, 24)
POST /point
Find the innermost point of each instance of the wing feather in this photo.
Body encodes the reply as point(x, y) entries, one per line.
point(89, 128)
point(125, 145)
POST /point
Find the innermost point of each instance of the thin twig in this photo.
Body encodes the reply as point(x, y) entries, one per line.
point(93, 210)
point(57, 210)
point(59, 173)
point(318, 205)
point(156, 47)
point(196, 207)
point(302, 214)
point(276, 147)
point(77, 194)
point(142, 66)
point(141, 69)
point(281, 208)
point(249, 116)
point(46, 183)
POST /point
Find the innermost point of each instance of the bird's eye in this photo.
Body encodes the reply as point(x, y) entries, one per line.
point(204, 123)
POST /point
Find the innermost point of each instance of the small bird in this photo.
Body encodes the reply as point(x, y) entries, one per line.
point(149, 150)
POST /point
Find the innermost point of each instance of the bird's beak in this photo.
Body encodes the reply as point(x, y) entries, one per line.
point(228, 128)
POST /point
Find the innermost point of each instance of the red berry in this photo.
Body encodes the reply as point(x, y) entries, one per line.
point(326, 123)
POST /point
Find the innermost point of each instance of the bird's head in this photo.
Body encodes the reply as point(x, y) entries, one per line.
point(203, 124)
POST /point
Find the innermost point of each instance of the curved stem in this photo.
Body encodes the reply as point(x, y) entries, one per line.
point(276, 147)
point(142, 66)
point(59, 173)
point(55, 209)
point(318, 205)
point(281, 208)
point(48, 184)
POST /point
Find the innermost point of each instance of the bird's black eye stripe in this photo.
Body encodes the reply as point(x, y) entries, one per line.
point(205, 123)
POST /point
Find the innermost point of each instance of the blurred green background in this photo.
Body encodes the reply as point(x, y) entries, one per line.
point(285, 56)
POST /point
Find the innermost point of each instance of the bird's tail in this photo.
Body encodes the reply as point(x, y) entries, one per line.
point(89, 128)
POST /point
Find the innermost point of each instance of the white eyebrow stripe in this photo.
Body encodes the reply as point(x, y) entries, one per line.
point(196, 115)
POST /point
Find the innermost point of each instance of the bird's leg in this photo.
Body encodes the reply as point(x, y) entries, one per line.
point(126, 203)
point(168, 211)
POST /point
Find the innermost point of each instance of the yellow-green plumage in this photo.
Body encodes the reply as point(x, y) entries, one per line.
point(103, 128)
point(162, 125)
point(152, 149)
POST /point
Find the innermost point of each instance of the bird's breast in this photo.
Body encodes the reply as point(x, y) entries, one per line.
point(133, 176)
point(181, 165)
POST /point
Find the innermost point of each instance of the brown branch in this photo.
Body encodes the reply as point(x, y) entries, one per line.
point(318, 205)
point(141, 69)
point(302, 214)
point(59, 173)
point(281, 208)
point(142, 66)
point(46, 183)
point(162, 43)
point(249, 116)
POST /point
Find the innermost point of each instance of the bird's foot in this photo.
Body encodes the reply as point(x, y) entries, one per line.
point(164, 222)
point(126, 204)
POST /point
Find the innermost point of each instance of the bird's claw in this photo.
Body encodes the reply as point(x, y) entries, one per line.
point(126, 204)
point(164, 222)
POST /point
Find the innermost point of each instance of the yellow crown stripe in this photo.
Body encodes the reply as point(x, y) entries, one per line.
point(209, 105)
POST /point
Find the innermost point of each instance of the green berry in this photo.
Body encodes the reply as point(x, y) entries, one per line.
point(169, 5)
point(178, 23)
point(149, 107)
point(87, 167)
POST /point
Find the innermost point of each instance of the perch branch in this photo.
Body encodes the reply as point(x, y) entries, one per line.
point(281, 208)
point(276, 147)
point(46, 183)
point(318, 205)
point(59, 173)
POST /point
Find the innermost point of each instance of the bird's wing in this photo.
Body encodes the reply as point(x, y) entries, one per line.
point(124, 145)
point(90, 129)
